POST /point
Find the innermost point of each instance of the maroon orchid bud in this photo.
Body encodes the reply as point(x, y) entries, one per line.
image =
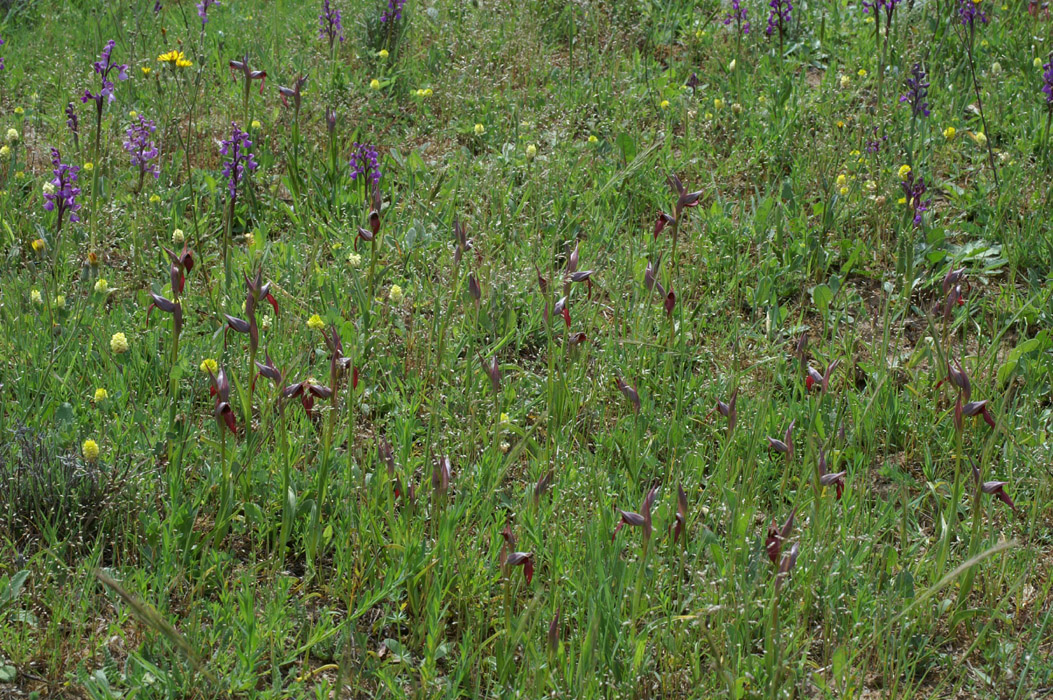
point(778, 535)
point(778, 445)
point(801, 349)
point(543, 485)
point(441, 476)
point(474, 290)
point(387, 455)
point(236, 324)
point(553, 633)
point(661, 222)
point(524, 559)
point(954, 298)
point(959, 379)
point(629, 392)
point(729, 411)
point(168, 307)
point(575, 339)
point(225, 415)
point(680, 522)
point(627, 518)
point(789, 560)
point(813, 380)
point(829, 373)
point(572, 261)
point(670, 303)
point(952, 278)
point(684, 198)
point(493, 372)
point(651, 273)
point(508, 546)
point(836, 480)
point(542, 283)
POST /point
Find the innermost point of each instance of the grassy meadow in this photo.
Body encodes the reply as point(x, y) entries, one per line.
point(492, 349)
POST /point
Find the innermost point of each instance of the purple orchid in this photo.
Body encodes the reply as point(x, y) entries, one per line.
point(62, 195)
point(141, 147)
point(330, 25)
point(103, 67)
point(202, 10)
point(917, 91)
point(364, 161)
point(241, 159)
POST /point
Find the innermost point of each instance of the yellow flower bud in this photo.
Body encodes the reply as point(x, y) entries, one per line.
point(374, 84)
point(315, 323)
point(395, 294)
point(90, 450)
point(118, 343)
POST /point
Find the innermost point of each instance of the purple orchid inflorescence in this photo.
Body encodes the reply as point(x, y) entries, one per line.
point(140, 145)
point(917, 91)
point(241, 158)
point(1047, 81)
point(969, 13)
point(738, 16)
point(329, 24)
point(62, 195)
point(394, 11)
point(364, 161)
point(914, 189)
point(73, 123)
point(103, 67)
point(202, 10)
point(778, 16)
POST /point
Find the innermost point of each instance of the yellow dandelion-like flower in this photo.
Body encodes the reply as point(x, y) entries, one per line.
point(901, 200)
point(101, 395)
point(88, 167)
point(592, 138)
point(383, 53)
point(664, 104)
point(395, 294)
point(39, 245)
point(427, 92)
point(374, 84)
point(183, 63)
point(133, 114)
point(256, 124)
point(146, 70)
point(315, 323)
point(840, 124)
point(35, 297)
point(119, 343)
point(479, 129)
point(90, 449)
point(904, 171)
point(949, 133)
point(176, 58)
point(862, 72)
point(209, 366)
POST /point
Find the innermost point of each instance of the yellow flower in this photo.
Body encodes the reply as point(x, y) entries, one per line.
point(88, 167)
point(315, 323)
point(354, 260)
point(700, 33)
point(183, 63)
point(174, 57)
point(209, 366)
point(256, 124)
point(664, 104)
point(249, 239)
point(718, 104)
point(862, 72)
point(844, 191)
point(178, 236)
point(427, 92)
point(34, 296)
point(119, 343)
point(374, 84)
point(840, 124)
point(949, 133)
point(133, 114)
point(901, 200)
point(20, 175)
point(19, 110)
point(1037, 62)
point(979, 138)
point(154, 199)
point(395, 294)
point(505, 420)
point(39, 245)
point(90, 450)
point(531, 151)
point(592, 138)
point(731, 66)
point(479, 129)
point(146, 70)
point(419, 93)
point(904, 171)
point(60, 302)
point(841, 180)
point(846, 82)
point(101, 395)
point(709, 115)
point(12, 135)
point(383, 53)
point(5, 151)
point(102, 286)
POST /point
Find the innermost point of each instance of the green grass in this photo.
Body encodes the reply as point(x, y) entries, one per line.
point(293, 559)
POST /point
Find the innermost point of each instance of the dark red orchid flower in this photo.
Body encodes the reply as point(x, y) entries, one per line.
point(525, 560)
point(268, 370)
point(800, 350)
point(168, 307)
point(641, 519)
point(953, 298)
point(542, 283)
point(820, 382)
point(680, 520)
point(242, 67)
point(338, 364)
point(629, 392)
point(670, 302)
point(223, 412)
point(684, 198)
point(560, 309)
point(994, 488)
point(583, 276)
point(180, 265)
point(957, 378)
point(784, 446)
point(971, 410)
point(952, 278)
point(553, 633)
point(307, 391)
point(836, 480)
point(293, 93)
point(661, 222)
point(651, 273)
point(778, 535)
point(474, 290)
point(462, 244)
point(364, 234)
point(258, 290)
point(374, 210)
point(575, 339)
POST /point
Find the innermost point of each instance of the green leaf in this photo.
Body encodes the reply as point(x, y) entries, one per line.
point(1040, 343)
point(822, 295)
